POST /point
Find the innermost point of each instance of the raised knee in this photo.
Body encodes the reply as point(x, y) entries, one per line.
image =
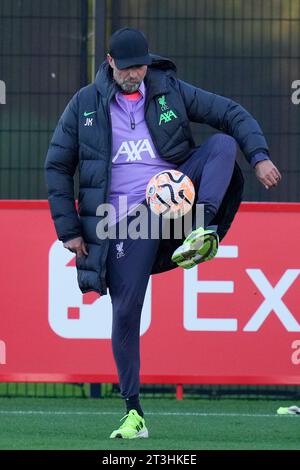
point(225, 143)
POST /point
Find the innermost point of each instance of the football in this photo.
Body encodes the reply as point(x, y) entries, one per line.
point(170, 193)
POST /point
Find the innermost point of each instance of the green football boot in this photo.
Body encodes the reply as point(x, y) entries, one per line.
point(132, 428)
point(201, 245)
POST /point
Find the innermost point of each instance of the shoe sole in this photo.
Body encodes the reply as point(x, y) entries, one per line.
point(141, 434)
point(197, 251)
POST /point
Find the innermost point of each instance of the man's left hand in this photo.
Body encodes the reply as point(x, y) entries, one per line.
point(267, 173)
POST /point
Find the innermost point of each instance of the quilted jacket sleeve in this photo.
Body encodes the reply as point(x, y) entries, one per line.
point(60, 167)
point(225, 115)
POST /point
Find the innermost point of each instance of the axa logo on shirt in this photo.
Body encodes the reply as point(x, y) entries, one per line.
point(133, 150)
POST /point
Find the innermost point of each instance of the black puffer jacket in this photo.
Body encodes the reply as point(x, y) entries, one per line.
point(89, 147)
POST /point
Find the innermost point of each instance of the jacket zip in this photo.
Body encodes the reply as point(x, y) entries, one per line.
point(103, 276)
point(132, 121)
point(149, 128)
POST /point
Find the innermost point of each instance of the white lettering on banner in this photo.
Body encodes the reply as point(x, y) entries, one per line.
point(273, 300)
point(70, 316)
point(2, 92)
point(295, 358)
point(2, 352)
point(192, 286)
point(94, 319)
point(134, 149)
point(296, 94)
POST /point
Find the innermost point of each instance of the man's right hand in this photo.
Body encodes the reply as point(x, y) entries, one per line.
point(77, 245)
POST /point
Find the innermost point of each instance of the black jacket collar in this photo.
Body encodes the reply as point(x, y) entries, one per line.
point(155, 80)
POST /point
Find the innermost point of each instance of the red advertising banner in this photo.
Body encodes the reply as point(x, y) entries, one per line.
point(235, 319)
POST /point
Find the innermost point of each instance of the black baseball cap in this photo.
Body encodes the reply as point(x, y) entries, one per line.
point(129, 47)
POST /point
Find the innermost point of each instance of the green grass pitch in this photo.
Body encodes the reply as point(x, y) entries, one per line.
point(74, 423)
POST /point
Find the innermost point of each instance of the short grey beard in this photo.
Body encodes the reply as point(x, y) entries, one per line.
point(130, 88)
point(127, 87)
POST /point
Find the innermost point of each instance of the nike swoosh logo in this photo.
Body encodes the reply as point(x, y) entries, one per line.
point(88, 114)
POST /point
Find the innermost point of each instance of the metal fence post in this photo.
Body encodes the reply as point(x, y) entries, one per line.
point(100, 30)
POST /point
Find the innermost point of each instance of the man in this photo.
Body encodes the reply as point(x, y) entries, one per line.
point(131, 123)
